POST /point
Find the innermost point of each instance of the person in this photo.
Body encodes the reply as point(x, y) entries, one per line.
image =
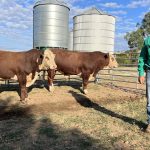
point(144, 66)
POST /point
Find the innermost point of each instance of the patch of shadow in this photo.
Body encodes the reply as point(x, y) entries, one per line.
point(42, 133)
point(9, 87)
point(40, 84)
point(14, 87)
point(59, 82)
point(74, 84)
point(58, 138)
point(86, 102)
point(9, 110)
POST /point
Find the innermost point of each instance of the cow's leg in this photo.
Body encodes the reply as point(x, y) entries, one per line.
point(23, 90)
point(85, 78)
point(95, 75)
point(51, 75)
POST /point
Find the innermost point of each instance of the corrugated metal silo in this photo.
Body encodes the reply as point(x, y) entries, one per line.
point(94, 30)
point(70, 43)
point(50, 24)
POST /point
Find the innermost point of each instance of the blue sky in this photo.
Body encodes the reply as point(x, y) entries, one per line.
point(16, 19)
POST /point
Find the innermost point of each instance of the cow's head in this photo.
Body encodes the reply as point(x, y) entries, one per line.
point(48, 60)
point(112, 61)
point(40, 57)
point(35, 57)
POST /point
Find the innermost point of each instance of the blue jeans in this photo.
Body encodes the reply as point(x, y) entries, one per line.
point(148, 93)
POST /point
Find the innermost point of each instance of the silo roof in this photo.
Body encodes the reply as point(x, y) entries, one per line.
point(92, 11)
point(55, 2)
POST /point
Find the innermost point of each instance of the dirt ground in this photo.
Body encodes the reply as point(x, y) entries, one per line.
point(107, 118)
point(67, 96)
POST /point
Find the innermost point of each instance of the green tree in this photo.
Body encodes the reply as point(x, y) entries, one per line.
point(136, 38)
point(146, 23)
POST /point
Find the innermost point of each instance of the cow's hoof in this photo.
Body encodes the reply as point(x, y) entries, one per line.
point(51, 88)
point(23, 102)
point(85, 91)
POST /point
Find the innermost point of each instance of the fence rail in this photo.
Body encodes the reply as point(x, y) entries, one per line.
point(126, 75)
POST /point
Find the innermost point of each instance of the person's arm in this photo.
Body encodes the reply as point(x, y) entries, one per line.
point(141, 63)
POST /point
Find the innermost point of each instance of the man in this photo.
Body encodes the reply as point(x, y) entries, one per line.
point(144, 65)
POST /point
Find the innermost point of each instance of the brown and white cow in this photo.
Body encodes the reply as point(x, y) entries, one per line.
point(47, 63)
point(84, 63)
point(20, 65)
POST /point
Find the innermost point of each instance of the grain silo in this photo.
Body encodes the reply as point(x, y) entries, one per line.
point(70, 43)
point(50, 24)
point(94, 30)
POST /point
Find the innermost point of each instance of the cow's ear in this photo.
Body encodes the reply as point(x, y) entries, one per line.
point(106, 56)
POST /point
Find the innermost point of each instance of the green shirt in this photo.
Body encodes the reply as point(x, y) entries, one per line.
point(144, 58)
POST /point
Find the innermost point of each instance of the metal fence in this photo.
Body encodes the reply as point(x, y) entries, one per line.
point(126, 75)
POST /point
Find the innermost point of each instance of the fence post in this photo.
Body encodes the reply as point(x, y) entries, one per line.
point(97, 79)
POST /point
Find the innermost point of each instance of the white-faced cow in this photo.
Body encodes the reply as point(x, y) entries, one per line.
point(23, 66)
point(84, 63)
point(47, 63)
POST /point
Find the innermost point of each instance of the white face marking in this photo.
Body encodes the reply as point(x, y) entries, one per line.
point(112, 62)
point(48, 60)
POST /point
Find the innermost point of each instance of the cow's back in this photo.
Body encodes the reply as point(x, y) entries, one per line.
point(70, 62)
point(10, 63)
point(15, 63)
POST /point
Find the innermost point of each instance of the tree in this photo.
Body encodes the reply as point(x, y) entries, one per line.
point(136, 38)
point(146, 23)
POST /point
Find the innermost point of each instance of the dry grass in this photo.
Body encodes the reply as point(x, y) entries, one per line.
point(107, 118)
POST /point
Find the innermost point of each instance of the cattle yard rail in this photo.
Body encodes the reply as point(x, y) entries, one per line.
point(125, 76)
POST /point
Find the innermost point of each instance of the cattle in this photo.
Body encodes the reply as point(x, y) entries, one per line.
point(48, 62)
point(84, 63)
point(24, 66)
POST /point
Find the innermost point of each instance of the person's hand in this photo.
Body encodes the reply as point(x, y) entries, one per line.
point(141, 79)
